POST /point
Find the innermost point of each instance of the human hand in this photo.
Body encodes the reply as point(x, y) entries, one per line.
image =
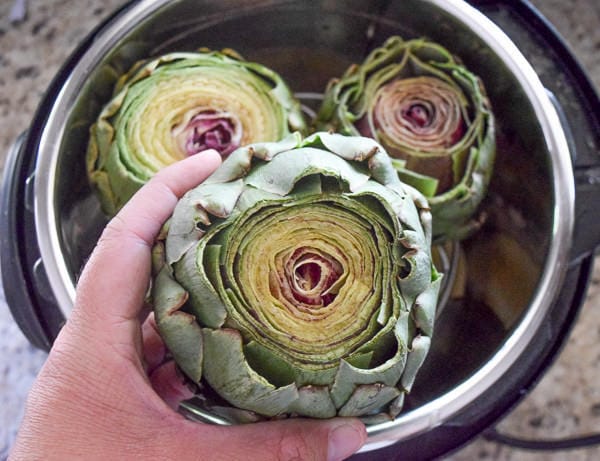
point(105, 391)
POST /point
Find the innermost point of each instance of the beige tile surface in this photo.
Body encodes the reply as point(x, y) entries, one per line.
point(32, 51)
point(566, 401)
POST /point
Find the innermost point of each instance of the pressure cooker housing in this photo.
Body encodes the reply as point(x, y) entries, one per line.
point(500, 333)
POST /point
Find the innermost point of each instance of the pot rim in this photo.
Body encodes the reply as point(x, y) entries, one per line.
point(432, 414)
point(429, 415)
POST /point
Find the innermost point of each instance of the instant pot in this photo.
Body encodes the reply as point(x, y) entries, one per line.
point(516, 285)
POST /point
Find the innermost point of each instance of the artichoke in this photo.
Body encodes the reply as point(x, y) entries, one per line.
point(432, 116)
point(178, 105)
point(298, 280)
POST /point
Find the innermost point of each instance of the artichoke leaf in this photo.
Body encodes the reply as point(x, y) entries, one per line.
point(240, 161)
point(396, 204)
point(185, 335)
point(356, 148)
point(424, 183)
point(418, 266)
point(252, 197)
point(424, 307)
point(280, 372)
point(187, 226)
point(281, 174)
point(217, 199)
point(235, 381)
point(368, 398)
point(349, 376)
point(314, 402)
point(416, 357)
point(205, 302)
point(396, 406)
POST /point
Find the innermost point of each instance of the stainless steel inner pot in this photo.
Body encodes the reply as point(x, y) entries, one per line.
point(506, 276)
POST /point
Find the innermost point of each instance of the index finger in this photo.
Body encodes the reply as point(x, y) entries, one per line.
point(115, 279)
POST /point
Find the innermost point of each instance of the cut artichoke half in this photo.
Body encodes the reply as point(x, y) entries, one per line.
point(177, 105)
point(298, 280)
point(432, 116)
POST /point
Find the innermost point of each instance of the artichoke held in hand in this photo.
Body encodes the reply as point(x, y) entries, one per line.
point(298, 280)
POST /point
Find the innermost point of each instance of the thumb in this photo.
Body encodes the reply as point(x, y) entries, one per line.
point(291, 439)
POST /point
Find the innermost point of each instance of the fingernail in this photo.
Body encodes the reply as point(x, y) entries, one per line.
point(344, 441)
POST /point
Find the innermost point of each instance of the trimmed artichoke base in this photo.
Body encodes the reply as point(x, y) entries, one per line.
point(298, 281)
point(177, 105)
point(433, 117)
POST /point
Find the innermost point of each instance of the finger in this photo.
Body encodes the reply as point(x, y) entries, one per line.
point(295, 438)
point(114, 281)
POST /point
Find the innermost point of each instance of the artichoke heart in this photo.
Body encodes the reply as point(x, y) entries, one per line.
point(298, 280)
point(177, 105)
point(432, 116)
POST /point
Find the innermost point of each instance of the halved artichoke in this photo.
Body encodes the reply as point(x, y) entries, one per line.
point(177, 105)
point(432, 116)
point(298, 280)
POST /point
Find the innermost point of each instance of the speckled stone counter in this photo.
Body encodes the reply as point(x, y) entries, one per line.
point(566, 401)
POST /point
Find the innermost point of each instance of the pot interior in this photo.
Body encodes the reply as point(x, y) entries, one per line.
point(496, 272)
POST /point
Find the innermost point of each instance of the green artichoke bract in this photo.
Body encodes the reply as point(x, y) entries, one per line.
point(432, 116)
point(298, 280)
point(178, 105)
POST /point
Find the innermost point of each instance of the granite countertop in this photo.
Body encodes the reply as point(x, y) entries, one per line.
point(566, 401)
